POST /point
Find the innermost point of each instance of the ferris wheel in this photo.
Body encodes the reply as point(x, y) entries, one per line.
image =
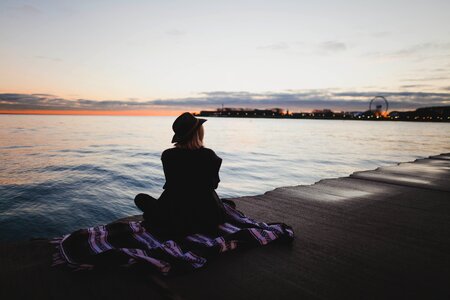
point(379, 105)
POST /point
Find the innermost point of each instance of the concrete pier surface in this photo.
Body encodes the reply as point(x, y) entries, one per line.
point(382, 234)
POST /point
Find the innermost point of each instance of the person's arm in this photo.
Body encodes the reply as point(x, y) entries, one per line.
point(166, 168)
point(216, 163)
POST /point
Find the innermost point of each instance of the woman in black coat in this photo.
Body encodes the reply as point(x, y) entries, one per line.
point(189, 203)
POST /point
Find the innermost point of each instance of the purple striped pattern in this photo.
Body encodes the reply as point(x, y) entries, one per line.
point(132, 243)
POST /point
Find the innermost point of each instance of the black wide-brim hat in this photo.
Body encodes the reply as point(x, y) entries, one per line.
point(184, 126)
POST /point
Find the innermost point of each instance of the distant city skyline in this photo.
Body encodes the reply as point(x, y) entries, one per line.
point(163, 57)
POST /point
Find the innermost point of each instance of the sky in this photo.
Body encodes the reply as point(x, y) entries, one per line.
point(162, 57)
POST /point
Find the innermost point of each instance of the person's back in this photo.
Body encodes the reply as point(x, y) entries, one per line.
point(191, 169)
point(189, 202)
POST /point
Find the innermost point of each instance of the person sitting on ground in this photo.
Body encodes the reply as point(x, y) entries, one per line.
point(189, 203)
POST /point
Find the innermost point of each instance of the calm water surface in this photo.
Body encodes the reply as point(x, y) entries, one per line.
point(62, 173)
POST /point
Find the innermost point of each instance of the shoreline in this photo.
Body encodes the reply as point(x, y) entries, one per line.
point(233, 117)
point(381, 233)
point(335, 119)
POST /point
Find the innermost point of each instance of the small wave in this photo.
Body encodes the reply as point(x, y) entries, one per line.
point(16, 147)
point(78, 151)
point(104, 145)
point(85, 168)
point(146, 154)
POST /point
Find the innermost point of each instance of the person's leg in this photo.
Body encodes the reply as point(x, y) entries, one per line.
point(229, 202)
point(144, 202)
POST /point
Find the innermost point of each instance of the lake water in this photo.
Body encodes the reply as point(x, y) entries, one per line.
point(62, 173)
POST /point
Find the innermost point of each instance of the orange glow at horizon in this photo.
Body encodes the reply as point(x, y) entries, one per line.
point(383, 114)
point(96, 112)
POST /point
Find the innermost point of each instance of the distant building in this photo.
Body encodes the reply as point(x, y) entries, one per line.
point(437, 113)
point(243, 112)
point(427, 114)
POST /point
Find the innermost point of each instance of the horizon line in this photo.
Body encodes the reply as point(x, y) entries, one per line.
point(137, 113)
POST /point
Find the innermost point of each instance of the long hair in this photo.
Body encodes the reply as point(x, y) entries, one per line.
point(195, 141)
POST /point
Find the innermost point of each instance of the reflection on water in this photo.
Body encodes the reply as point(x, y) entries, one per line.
point(61, 173)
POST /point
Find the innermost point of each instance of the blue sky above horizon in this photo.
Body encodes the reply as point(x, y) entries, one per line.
point(191, 55)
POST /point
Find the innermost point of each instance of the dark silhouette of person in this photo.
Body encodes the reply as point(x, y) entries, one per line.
point(189, 203)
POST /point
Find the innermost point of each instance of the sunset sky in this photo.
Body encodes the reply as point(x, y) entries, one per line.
point(162, 57)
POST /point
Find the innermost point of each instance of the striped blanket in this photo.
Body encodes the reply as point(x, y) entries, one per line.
point(128, 243)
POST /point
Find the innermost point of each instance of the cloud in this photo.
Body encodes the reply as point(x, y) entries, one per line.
point(411, 51)
point(332, 46)
point(432, 78)
point(275, 46)
point(44, 95)
point(55, 59)
point(50, 102)
point(420, 48)
point(323, 48)
point(292, 99)
point(409, 86)
point(440, 70)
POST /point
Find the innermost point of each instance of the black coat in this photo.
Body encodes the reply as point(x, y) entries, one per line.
point(189, 202)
